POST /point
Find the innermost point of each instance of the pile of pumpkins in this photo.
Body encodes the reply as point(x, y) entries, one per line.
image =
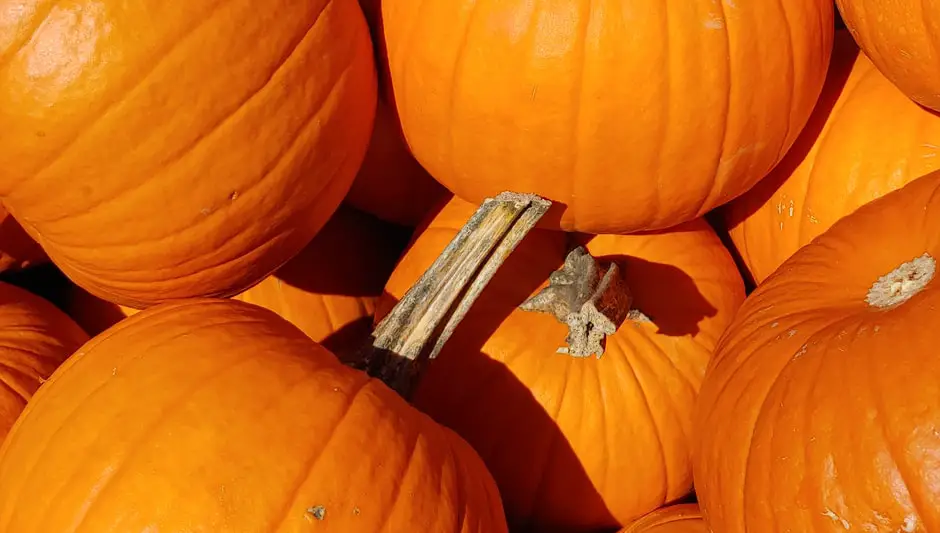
point(209, 207)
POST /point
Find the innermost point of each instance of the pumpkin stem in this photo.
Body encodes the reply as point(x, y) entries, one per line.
point(902, 283)
point(402, 342)
point(593, 300)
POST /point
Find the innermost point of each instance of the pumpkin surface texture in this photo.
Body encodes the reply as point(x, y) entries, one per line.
point(845, 157)
point(547, 95)
point(684, 518)
point(239, 423)
point(328, 290)
point(820, 409)
point(578, 444)
point(35, 338)
point(193, 146)
point(903, 38)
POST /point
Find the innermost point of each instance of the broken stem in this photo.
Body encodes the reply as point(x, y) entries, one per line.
point(593, 300)
point(402, 342)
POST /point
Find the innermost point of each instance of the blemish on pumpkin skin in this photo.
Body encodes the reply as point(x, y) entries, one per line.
point(233, 196)
point(317, 512)
point(837, 518)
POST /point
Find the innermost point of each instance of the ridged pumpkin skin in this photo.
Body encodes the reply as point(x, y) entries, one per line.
point(684, 518)
point(846, 157)
point(220, 416)
point(579, 444)
point(901, 37)
point(632, 116)
point(328, 290)
point(164, 149)
point(35, 338)
point(17, 249)
point(820, 409)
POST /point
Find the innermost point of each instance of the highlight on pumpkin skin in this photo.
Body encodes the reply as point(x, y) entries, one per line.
point(35, 338)
point(579, 443)
point(853, 307)
point(232, 404)
point(843, 159)
point(543, 97)
point(328, 290)
point(192, 147)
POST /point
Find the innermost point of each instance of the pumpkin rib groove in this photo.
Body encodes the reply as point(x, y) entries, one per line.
point(403, 475)
point(121, 93)
point(245, 253)
point(454, 466)
point(608, 445)
point(581, 37)
point(892, 453)
point(311, 463)
point(8, 372)
point(762, 407)
point(15, 391)
point(657, 198)
point(137, 445)
point(726, 116)
point(786, 140)
point(631, 358)
point(454, 81)
point(209, 132)
point(17, 46)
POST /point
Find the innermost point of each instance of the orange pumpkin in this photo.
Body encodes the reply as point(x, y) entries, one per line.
point(901, 37)
point(216, 415)
point(820, 410)
point(192, 147)
point(845, 157)
point(328, 290)
point(629, 116)
point(35, 337)
point(579, 443)
point(391, 184)
point(684, 518)
point(17, 249)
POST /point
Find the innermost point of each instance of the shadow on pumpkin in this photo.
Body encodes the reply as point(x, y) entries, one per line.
point(480, 397)
point(353, 255)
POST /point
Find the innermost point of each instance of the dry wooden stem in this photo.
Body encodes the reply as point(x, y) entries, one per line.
point(592, 300)
point(401, 344)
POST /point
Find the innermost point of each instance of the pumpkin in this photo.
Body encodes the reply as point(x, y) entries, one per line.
point(328, 290)
point(391, 184)
point(901, 37)
point(17, 250)
point(192, 147)
point(628, 116)
point(819, 411)
point(579, 443)
point(844, 158)
point(217, 415)
point(683, 518)
point(35, 338)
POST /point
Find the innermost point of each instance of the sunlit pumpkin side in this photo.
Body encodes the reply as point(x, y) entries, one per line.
point(221, 416)
point(192, 147)
point(820, 409)
point(629, 116)
point(865, 139)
